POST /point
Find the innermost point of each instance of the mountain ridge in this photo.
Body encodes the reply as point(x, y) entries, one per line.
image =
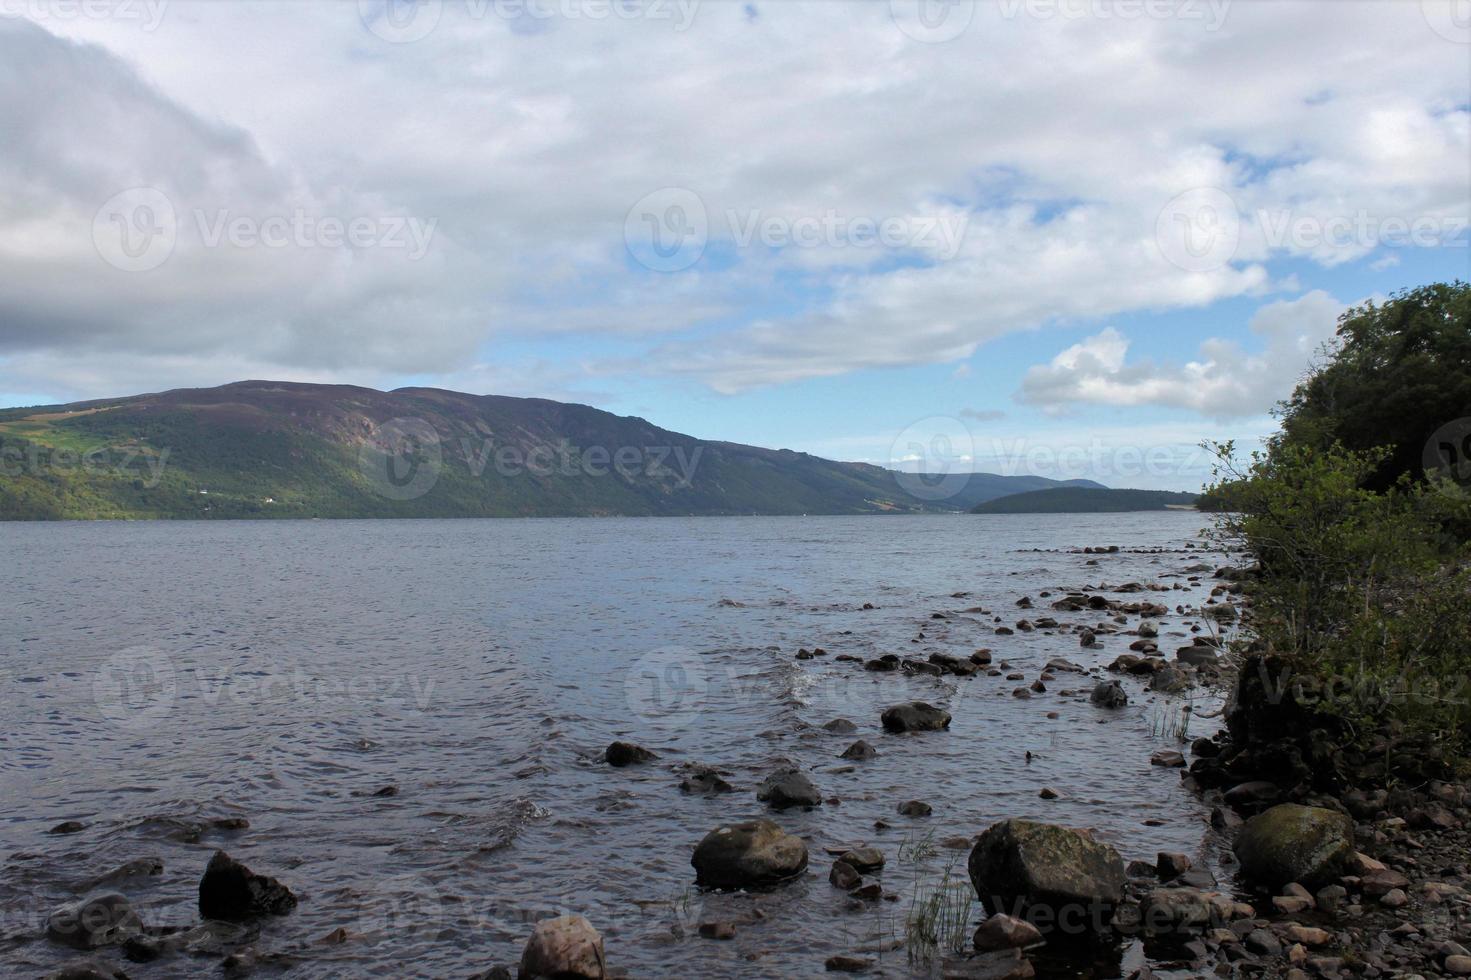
point(261, 448)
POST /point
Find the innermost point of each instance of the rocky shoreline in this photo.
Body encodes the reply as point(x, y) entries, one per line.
point(1341, 873)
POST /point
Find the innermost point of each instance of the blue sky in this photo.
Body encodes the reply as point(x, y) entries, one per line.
point(1064, 237)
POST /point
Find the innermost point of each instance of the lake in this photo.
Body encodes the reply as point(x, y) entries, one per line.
point(162, 679)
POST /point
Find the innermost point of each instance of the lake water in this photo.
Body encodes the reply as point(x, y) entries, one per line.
point(160, 676)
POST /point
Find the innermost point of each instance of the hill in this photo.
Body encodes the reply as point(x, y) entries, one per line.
point(287, 450)
point(1084, 500)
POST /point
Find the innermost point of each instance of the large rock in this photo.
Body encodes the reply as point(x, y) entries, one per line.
point(916, 716)
point(788, 788)
point(742, 855)
point(89, 923)
point(1289, 842)
point(231, 891)
point(565, 948)
point(1049, 874)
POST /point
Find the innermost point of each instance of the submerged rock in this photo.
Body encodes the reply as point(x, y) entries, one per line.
point(1109, 694)
point(788, 788)
point(567, 948)
point(1293, 843)
point(916, 716)
point(704, 781)
point(860, 750)
point(748, 854)
point(231, 891)
point(89, 923)
point(1022, 865)
point(621, 754)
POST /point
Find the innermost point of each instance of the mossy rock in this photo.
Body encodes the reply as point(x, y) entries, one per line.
point(1290, 842)
point(1047, 874)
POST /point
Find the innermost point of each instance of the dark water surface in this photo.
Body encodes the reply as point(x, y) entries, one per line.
point(159, 676)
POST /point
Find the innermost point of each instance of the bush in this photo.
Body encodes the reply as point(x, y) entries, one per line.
point(1367, 591)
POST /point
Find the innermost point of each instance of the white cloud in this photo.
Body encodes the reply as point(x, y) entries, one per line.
point(527, 142)
point(1224, 381)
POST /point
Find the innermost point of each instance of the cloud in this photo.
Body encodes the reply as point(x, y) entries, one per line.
point(527, 149)
point(1224, 381)
point(982, 415)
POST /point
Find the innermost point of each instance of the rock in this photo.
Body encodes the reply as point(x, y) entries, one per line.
point(1168, 910)
point(1307, 935)
point(913, 666)
point(1148, 628)
point(787, 788)
point(1395, 898)
point(1048, 793)
point(717, 930)
point(840, 726)
point(843, 875)
point(915, 808)
point(1001, 931)
point(89, 923)
point(1169, 865)
point(231, 891)
point(1197, 656)
point(1291, 843)
point(1458, 966)
point(1003, 964)
point(1021, 864)
point(1263, 943)
point(704, 781)
point(148, 867)
point(1291, 904)
point(1109, 694)
point(1252, 793)
point(567, 947)
point(864, 859)
point(1169, 680)
point(621, 754)
point(847, 964)
point(882, 664)
point(749, 854)
point(1382, 881)
point(860, 750)
point(1168, 758)
point(916, 716)
point(1087, 639)
point(68, 827)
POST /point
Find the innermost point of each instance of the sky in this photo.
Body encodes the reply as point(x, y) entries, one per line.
point(1068, 238)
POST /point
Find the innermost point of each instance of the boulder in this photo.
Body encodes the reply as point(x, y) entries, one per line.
point(860, 750)
point(621, 754)
point(86, 970)
point(1166, 910)
point(1022, 865)
point(788, 788)
point(916, 716)
point(231, 891)
point(89, 923)
point(840, 726)
point(1169, 680)
point(567, 948)
point(749, 854)
point(1109, 694)
point(1293, 843)
point(843, 875)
